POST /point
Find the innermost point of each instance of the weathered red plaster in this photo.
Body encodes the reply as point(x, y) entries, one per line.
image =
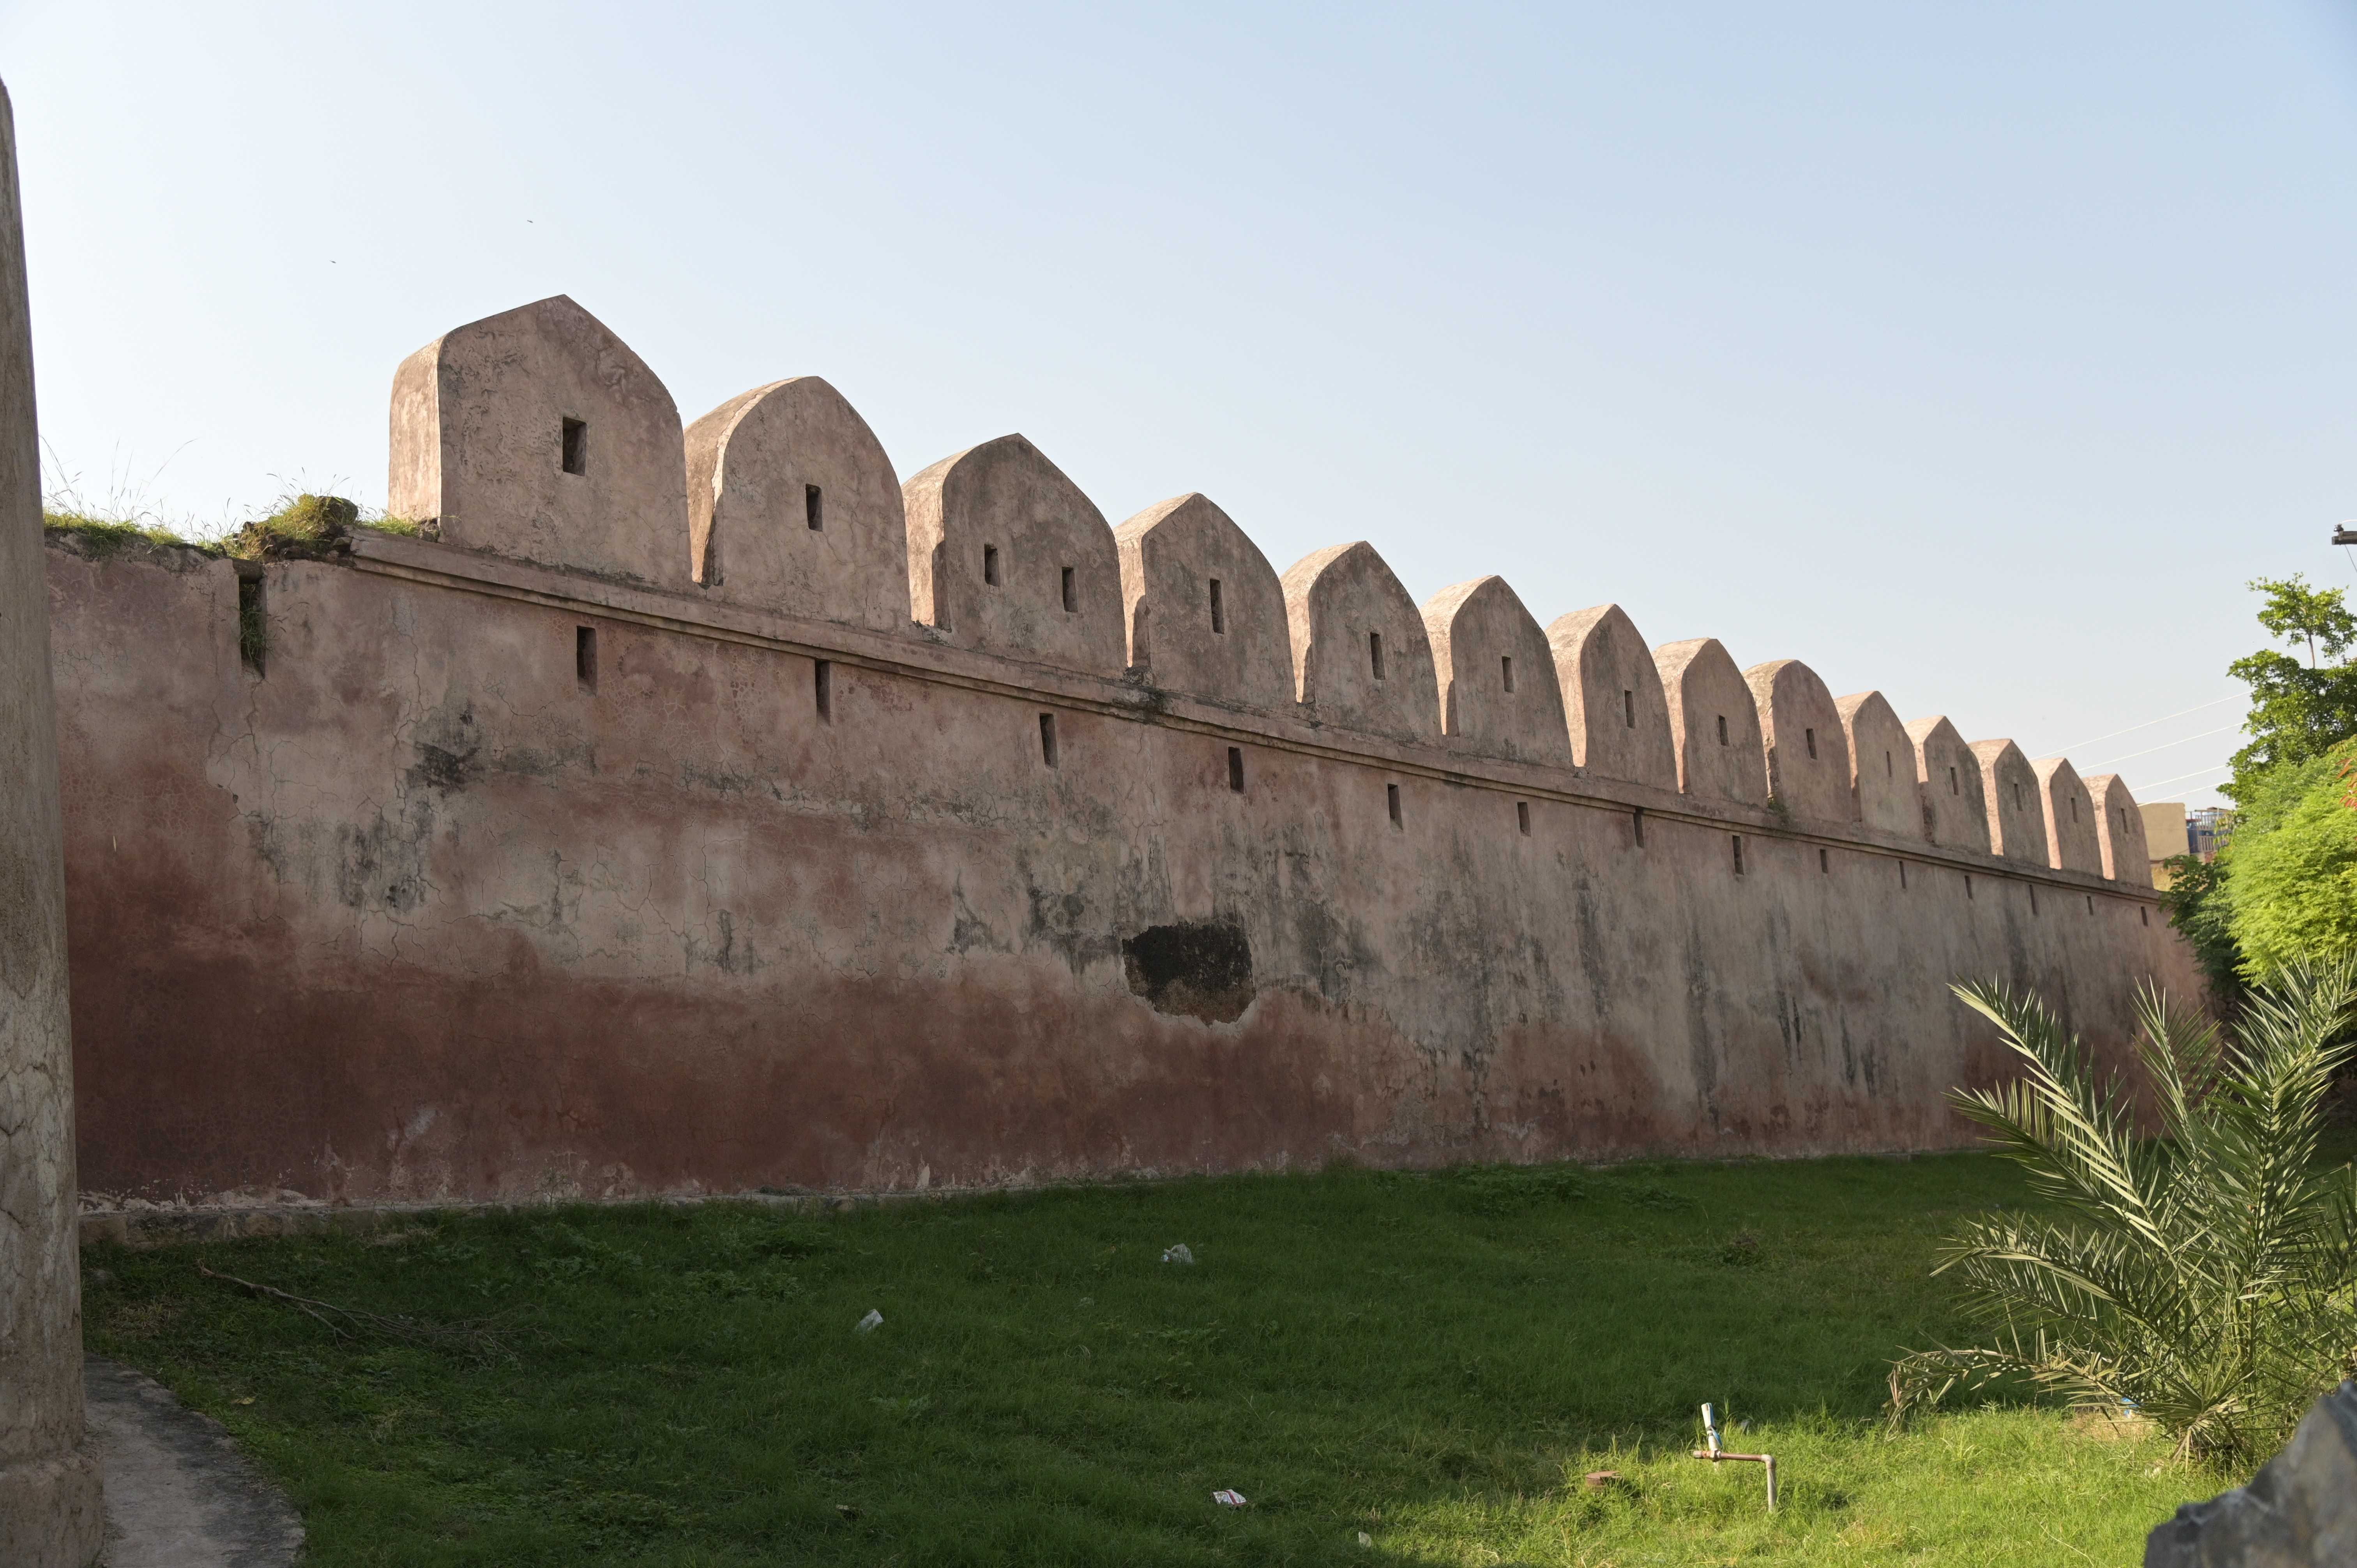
point(412, 915)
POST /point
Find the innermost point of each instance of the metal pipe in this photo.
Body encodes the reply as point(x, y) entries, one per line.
point(1716, 1455)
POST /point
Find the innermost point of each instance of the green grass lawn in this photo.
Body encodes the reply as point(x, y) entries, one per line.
point(1392, 1368)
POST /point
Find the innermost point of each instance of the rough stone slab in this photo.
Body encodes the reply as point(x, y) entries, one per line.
point(2298, 1511)
point(179, 1494)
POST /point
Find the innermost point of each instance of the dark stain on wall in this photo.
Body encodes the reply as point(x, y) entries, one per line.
point(1197, 968)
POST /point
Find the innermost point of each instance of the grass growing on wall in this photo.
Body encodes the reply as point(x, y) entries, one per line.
point(1430, 1361)
point(301, 526)
point(106, 538)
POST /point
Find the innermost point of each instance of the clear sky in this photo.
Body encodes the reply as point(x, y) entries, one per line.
point(1973, 353)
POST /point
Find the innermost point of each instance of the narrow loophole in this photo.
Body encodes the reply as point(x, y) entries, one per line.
point(2091, 903)
point(1071, 595)
point(575, 440)
point(253, 625)
point(815, 507)
point(1811, 736)
point(2074, 811)
point(1506, 670)
point(1722, 729)
point(1218, 611)
point(585, 657)
point(1968, 887)
point(1375, 652)
point(1236, 768)
point(2147, 913)
point(1739, 854)
point(1048, 739)
point(822, 689)
point(1522, 817)
point(1629, 708)
point(1636, 825)
point(1888, 771)
point(1953, 789)
point(1824, 861)
point(1391, 795)
point(2033, 898)
point(1902, 876)
point(990, 565)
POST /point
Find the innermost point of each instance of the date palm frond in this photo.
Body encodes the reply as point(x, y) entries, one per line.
point(2205, 1278)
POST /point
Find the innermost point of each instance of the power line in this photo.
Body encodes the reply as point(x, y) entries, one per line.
point(2150, 723)
point(2132, 755)
point(2183, 776)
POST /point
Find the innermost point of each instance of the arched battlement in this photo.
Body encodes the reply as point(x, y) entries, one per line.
point(1714, 721)
point(1802, 734)
point(1883, 790)
point(2119, 830)
point(2072, 835)
point(1360, 657)
point(2016, 823)
point(1070, 873)
point(1613, 707)
point(1496, 673)
point(537, 434)
point(1204, 610)
point(1006, 554)
point(1953, 797)
point(792, 506)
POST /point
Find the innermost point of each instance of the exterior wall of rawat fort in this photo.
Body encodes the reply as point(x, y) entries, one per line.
point(703, 808)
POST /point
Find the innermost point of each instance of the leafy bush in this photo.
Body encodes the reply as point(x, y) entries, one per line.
point(2199, 907)
point(2205, 1279)
point(304, 527)
point(2294, 889)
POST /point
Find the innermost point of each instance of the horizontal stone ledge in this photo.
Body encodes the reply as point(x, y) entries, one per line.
point(920, 656)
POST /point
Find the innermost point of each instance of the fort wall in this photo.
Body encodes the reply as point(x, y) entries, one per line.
point(500, 872)
point(50, 1469)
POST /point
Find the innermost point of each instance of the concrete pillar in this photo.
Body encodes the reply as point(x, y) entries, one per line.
point(49, 1466)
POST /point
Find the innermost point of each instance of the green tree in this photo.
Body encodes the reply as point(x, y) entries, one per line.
point(2297, 711)
point(2204, 1276)
point(2293, 891)
point(2197, 906)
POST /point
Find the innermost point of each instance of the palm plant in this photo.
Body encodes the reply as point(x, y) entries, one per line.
point(2207, 1278)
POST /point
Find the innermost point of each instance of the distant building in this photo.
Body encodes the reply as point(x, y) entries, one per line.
point(2164, 833)
point(2171, 830)
point(2207, 831)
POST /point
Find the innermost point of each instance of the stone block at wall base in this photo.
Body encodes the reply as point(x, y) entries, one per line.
point(49, 1513)
point(2298, 1511)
